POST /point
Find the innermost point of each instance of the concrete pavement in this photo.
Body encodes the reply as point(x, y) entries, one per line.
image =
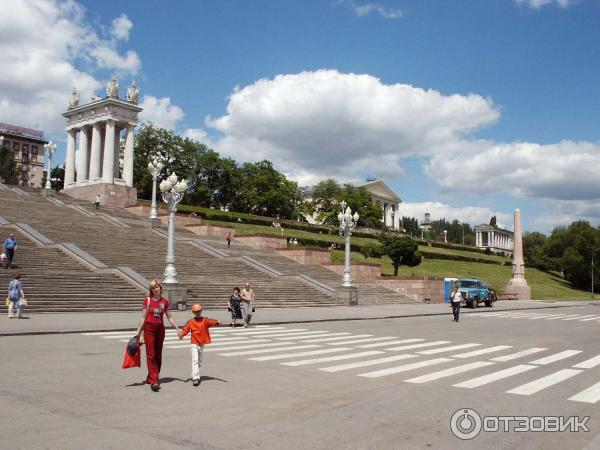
point(115, 321)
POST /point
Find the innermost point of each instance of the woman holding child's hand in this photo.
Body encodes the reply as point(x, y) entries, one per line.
point(153, 310)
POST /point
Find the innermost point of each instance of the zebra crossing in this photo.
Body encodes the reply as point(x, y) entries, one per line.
point(529, 315)
point(415, 360)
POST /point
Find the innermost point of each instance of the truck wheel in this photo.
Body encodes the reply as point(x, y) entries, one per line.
point(475, 303)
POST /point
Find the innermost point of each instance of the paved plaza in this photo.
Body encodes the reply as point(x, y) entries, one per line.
point(380, 383)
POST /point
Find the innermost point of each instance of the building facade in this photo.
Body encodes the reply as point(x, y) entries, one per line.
point(28, 147)
point(387, 199)
point(498, 240)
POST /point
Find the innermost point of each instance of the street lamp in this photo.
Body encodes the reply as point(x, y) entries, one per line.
point(445, 236)
point(50, 147)
point(155, 167)
point(347, 223)
point(593, 251)
point(172, 193)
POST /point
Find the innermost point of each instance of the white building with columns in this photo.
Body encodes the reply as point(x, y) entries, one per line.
point(496, 239)
point(94, 143)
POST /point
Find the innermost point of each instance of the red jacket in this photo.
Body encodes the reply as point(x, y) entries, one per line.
point(199, 327)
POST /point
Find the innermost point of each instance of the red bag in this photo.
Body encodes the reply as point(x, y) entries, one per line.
point(132, 361)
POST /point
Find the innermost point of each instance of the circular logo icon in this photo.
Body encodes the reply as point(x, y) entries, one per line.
point(465, 423)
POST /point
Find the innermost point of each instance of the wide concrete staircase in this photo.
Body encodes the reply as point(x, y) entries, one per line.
point(207, 267)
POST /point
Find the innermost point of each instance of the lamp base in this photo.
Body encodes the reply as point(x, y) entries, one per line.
point(176, 293)
point(347, 294)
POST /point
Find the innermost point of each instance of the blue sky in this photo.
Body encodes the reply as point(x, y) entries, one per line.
point(465, 108)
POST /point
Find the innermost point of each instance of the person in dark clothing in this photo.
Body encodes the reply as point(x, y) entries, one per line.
point(10, 246)
point(455, 299)
point(234, 306)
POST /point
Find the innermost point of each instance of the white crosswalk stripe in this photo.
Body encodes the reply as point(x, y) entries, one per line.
point(592, 318)
point(268, 350)
point(408, 347)
point(383, 344)
point(449, 372)
point(521, 354)
point(328, 339)
point(404, 368)
point(356, 341)
point(371, 362)
point(245, 346)
point(435, 351)
point(313, 335)
point(556, 357)
point(578, 317)
point(495, 376)
point(301, 354)
point(304, 362)
point(220, 344)
point(544, 382)
point(589, 395)
point(588, 364)
point(563, 316)
point(483, 351)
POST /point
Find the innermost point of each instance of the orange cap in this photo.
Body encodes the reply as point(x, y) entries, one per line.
point(196, 308)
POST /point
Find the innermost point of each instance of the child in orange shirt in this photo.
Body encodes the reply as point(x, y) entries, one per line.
point(200, 336)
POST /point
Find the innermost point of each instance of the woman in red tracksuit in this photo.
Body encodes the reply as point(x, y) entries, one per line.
point(153, 310)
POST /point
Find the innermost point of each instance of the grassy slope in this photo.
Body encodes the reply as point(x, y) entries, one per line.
point(543, 285)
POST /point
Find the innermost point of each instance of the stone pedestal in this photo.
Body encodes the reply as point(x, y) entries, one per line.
point(348, 295)
point(177, 295)
point(156, 223)
point(110, 194)
point(521, 292)
point(47, 192)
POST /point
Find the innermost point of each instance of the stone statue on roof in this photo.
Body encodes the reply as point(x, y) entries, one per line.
point(112, 88)
point(74, 99)
point(133, 93)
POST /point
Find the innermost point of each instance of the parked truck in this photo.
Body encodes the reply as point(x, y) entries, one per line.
point(475, 291)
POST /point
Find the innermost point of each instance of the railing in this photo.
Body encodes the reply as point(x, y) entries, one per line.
point(21, 130)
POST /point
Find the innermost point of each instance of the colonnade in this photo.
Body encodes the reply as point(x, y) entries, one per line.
point(495, 239)
point(97, 158)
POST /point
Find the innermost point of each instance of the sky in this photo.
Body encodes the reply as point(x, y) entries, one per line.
point(465, 108)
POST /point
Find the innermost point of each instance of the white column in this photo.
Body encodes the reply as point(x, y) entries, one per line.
point(128, 158)
point(95, 153)
point(70, 161)
point(117, 151)
point(108, 165)
point(82, 168)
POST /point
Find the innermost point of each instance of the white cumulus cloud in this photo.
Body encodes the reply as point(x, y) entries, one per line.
point(331, 124)
point(564, 171)
point(160, 112)
point(368, 8)
point(537, 4)
point(40, 68)
point(196, 134)
point(120, 27)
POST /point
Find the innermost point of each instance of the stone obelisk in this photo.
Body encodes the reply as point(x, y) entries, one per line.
point(517, 285)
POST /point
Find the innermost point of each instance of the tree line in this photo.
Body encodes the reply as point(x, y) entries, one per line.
point(569, 250)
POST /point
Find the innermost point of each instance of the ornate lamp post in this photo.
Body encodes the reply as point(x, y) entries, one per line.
point(155, 167)
point(347, 223)
point(172, 193)
point(50, 147)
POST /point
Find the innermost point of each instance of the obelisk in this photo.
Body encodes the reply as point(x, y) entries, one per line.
point(517, 285)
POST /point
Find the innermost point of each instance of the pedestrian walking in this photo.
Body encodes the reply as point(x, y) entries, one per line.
point(151, 321)
point(228, 239)
point(247, 303)
point(15, 294)
point(455, 299)
point(10, 247)
point(199, 327)
point(97, 201)
point(234, 306)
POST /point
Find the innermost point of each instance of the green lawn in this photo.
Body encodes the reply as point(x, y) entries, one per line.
point(544, 286)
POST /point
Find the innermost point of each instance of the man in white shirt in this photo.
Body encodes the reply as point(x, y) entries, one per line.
point(247, 303)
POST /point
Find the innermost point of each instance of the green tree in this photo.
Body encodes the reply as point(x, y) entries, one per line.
point(570, 249)
point(58, 173)
point(533, 251)
point(266, 192)
point(326, 196)
point(402, 250)
point(410, 225)
point(178, 155)
point(9, 172)
point(359, 199)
